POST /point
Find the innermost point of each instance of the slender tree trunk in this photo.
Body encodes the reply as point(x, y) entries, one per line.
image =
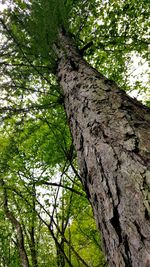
point(32, 241)
point(20, 239)
point(111, 134)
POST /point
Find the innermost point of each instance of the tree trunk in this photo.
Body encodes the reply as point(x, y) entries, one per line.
point(110, 132)
point(32, 242)
point(20, 239)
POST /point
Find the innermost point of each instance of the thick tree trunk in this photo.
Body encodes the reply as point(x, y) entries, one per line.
point(111, 134)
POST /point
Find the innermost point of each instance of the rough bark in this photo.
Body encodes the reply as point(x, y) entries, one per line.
point(111, 134)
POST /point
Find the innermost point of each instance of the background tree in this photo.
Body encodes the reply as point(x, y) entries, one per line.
point(39, 207)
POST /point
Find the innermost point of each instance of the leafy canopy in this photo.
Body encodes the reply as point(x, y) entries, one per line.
point(118, 30)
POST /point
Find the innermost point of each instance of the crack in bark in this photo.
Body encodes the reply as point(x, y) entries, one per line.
point(116, 223)
point(127, 255)
point(142, 237)
point(147, 216)
point(73, 64)
point(85, 182)
point(98, 159)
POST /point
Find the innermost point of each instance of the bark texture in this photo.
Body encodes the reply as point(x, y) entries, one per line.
point(111, 134)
